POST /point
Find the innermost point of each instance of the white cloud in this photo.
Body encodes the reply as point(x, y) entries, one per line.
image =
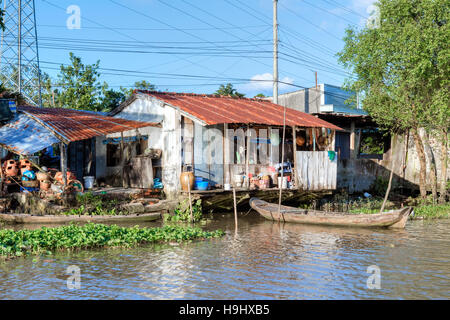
point(362, 4)
point(264, 82)
point(366, 8)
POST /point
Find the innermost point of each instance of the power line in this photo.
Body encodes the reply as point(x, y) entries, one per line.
point(332, 2)
point(156, 29)
point(327, 11)
point(310, 22)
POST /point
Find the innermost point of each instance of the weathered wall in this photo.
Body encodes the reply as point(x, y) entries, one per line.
point(167, 139)
point(358, 175)
point(308, 101)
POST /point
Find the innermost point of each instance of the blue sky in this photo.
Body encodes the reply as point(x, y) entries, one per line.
point(195, 45)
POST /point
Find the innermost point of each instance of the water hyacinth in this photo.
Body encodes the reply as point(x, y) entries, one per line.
point(72, 237)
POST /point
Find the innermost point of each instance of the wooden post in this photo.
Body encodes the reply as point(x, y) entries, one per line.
point(63, 153)
point(352, 140)
point(1, 175)
point(388, 190)
point(247, 157)
point(235, 209)
point(190, 198)
point(314, 138)
point(294, 138)
point(282, 163)
point(122, 160)
point(226, 156)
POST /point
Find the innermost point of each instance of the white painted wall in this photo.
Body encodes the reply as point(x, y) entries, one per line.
point(167, 138)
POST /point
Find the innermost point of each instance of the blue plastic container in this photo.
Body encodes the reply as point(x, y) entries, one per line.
point(201, 185)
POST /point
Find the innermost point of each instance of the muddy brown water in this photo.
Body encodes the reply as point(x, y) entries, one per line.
point(263, 260)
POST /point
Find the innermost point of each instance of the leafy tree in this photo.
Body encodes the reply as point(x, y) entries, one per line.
point(144, 85)
point(260, 95)
point(111, 98)
point(402, 66)
point(78, 85)
point(228, 90)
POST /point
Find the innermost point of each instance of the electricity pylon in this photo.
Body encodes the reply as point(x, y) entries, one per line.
point(19, 54)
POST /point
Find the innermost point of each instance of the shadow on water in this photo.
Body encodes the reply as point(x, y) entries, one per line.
point(263, 260)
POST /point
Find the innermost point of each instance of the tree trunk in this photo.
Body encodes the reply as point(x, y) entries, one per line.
point(423, 162)
point(433, 173)
point(444, 159)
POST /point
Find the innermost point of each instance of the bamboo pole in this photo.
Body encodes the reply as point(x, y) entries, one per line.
point(282, 164)
point(63, 153)
point(190, 198)
point(294, 142)
point(235, 210)
point(122, 160)
point(388, 190)
point(247, 170)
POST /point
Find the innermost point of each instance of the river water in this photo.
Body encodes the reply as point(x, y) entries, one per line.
point(262, 260)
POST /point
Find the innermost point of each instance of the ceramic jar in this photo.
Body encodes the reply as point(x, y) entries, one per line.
point(187, 178)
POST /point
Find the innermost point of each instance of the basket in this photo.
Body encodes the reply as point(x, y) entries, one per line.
point(30, 184)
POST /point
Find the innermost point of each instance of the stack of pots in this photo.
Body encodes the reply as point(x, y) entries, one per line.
point(44, 180)
point(25, 165)
point(11, 169)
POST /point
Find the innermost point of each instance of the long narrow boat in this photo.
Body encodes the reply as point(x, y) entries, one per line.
point(53, 219)
point(391, 219)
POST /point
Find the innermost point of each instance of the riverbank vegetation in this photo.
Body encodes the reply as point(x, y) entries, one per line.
point(183, 212)
point(88, 204)
point(89, 236)
point(343, 202)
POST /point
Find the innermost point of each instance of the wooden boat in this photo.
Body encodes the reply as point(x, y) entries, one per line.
point(391, 219)
point(54, 219)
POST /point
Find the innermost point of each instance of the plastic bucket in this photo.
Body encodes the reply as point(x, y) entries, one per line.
point(283, 185)
point(89, 182)
point(202, 185)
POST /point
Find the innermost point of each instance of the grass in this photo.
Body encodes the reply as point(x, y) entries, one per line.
point(73, 237)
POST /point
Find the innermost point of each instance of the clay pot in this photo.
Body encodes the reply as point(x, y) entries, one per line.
point(59, 177)
point(11, 169)
point(187, 179)
point(45, 185)
point(24, 165)
point(300, 141)
point(41, 176)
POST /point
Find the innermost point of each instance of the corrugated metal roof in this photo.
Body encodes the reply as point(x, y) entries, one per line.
point(74, 125)
point(25, 136)
point(214, 109)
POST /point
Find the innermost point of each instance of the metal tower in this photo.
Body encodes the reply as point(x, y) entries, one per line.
point(19, 55)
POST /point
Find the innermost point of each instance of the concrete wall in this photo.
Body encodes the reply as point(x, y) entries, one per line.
point(357, 175)
point(308, 101)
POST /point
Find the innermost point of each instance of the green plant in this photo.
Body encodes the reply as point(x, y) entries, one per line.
point(183, 212)
point(433, 211)
point(90, 204)
point(47, 240)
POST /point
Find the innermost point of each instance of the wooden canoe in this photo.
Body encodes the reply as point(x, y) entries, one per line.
point(391, 219)
point(54, 219)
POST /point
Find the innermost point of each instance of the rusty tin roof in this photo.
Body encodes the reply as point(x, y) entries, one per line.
point(74, 125)
point(215, 109)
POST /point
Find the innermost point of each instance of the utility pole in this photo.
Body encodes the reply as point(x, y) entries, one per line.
point(316, 78)
point(275, 51)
